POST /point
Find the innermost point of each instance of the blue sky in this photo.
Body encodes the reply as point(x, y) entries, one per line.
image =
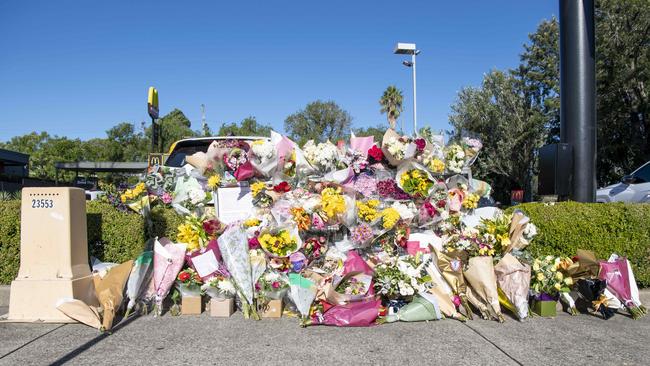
point(76, 68)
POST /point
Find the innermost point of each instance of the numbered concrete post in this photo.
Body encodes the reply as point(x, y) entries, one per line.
point(53, 255)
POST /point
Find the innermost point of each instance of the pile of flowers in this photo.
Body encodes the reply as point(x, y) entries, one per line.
point(359, 234)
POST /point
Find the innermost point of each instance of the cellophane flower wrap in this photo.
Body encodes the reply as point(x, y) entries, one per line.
point(302, 292)
point(262, 156)
point(219, 287)
point(324, 156)
point(168, 260)
point(451, 267)
point(233, 244)
point(617, 275)
point(189, 283)
point(513, 279)
point(415, 180)
point(140, 275)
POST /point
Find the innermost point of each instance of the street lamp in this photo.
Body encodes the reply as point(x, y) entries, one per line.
point(410, 49)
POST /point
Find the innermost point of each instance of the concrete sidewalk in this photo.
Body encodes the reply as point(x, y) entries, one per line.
point(579, 340)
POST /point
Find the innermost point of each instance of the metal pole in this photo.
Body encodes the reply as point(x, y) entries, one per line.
point(578, 93)
point(415, 104)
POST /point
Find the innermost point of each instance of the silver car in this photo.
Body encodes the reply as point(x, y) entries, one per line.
point(633, 188)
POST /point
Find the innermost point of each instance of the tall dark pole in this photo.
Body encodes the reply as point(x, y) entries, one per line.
point(578, 93)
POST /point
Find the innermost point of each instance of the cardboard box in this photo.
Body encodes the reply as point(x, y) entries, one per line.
point(273, 309)
point(191, 305)
point(545, 308)
point(222, 308)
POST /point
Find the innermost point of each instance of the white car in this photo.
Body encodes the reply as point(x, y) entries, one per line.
point(633, 188)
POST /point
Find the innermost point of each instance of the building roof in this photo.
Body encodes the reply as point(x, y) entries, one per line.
point(9, 157)
point(102, 166)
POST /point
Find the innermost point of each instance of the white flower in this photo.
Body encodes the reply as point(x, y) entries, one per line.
point(263, 150)
point(405, 212)
point(396, 147)
point(196, 196)
point(272, 276)
point(530, 231)
point(226, 286)
point(405, 289)
point(323, 156)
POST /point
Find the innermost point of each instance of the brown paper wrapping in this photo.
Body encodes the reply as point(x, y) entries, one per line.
point(513, 278)
point(110, 291)
point(585, 267)
point(79, 311)
point(451, 267)
point(333, 297)
point(483, 282)
point(387, 136)
point(517, 226)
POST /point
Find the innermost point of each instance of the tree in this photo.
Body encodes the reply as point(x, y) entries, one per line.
point(174, 126)
point(319, 121)
point(391, 104)
point(248, 127)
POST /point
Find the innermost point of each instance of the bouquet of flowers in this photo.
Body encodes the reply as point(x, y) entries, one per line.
point(361, 235)
point(189, 195)
point(233, 245)
point(192, 232)
point(302, 292)
point(434, 163)
point(324, 156)
point(137, 199)
point(513, 279)
point(617, 274)
point(395, 147)
point(189, 283)
point(367, 211)
point(168, 260)
point(332, 204)
point(140, 275)
point(391, 282)
point(280, 242)
point(219, 287)
point(455, 158)
point(451, 267)
point(471, 148)
point(314, 247)
point(495, 230)
point(549, 282)
point(483, 282)
point(262, 156)
point(272, 285)
point(388, 189)
point(414, 181)
point(593, 291)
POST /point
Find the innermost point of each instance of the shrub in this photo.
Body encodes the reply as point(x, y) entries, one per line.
point(604, 228)
point(113, 235)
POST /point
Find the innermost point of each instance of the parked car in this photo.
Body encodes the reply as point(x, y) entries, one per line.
point(94, 195)
point(633, 188)
point(182, 148)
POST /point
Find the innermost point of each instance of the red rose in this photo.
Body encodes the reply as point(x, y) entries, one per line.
point(253, 243)
point(276, 284)
point(282, 187)
point(375, 153)
point(184, 276)
point(420, 144)
point(212, 227)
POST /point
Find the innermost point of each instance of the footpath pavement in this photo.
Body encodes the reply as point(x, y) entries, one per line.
point(202, 340)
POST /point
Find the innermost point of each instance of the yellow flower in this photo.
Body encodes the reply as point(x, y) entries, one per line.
point(540, 276)
point(568, 281)
point(415, 174)
point(437, 166)
point(257, 187)
point(366, 210)
point(251, 222)
point(332, 202)
point(559, 276)
point(557, 286)
point(214, 181)
point(188, 235)
point(390, 217)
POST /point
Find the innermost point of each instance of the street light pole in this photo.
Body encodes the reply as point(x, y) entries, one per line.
point(415, 98)
point(410, 49)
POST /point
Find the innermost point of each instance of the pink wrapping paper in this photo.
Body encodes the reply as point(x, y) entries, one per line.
point(244, 172)
point(617, 276)
point(284, 148)
point(354, 263)
point(413, 248)
point(354, 314)
point(362, 144)
point(456, 201)
point(168, 260)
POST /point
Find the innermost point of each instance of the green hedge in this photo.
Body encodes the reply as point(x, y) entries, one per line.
point(116, 236)
point(601, 227)
point(113, 236)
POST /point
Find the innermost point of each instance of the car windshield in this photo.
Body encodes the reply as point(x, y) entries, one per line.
point(188, 147)
point(643, 174)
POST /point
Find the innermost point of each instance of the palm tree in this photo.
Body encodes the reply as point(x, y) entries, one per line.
point(391, 104)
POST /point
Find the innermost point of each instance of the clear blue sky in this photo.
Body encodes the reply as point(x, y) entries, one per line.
point(76, 68)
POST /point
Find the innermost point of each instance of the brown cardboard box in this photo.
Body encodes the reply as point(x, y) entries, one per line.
point(222, 308)
point(273, 310)
point(191, 305)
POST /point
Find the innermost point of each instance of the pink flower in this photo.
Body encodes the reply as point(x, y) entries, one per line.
point(253, 243)
point(375, 153)
point(212, 227)
point(166, 198)
point(275, 285)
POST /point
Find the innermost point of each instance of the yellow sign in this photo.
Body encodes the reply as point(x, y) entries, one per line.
point(156, 159)
point(152, 102)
